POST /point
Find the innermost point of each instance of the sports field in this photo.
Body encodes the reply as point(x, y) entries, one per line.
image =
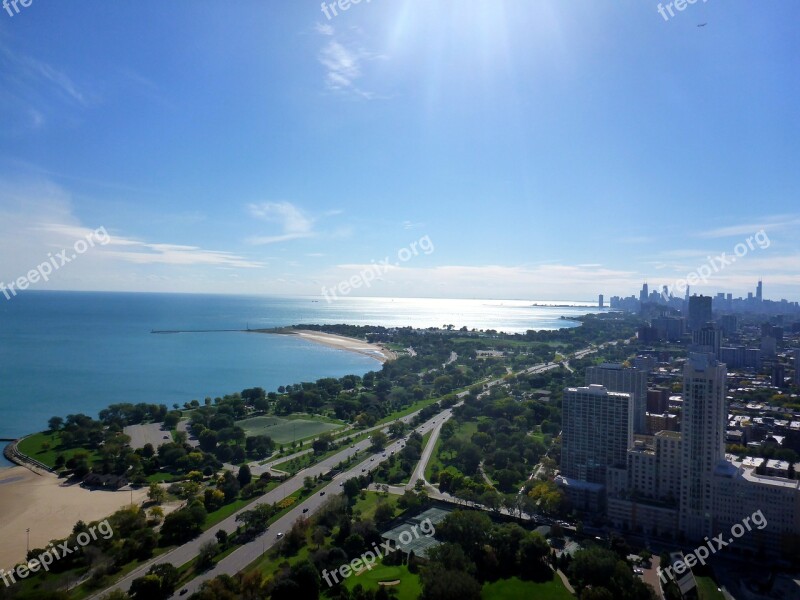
point(285, 430)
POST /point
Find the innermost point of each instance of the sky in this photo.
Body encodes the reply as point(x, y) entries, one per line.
point(535, 150)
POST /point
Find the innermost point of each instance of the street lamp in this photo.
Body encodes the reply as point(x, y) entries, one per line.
point(28, 531)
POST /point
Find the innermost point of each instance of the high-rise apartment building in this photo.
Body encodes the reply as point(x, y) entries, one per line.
point(707, 339)
point(616, 378)
point(703, 425)
point(597, 432)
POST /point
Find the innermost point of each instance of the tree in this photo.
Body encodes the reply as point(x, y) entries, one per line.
point(158, 584)
point(155, 493)
point(229, 486)
point(351, 488)
point(172, 419)
point(384, 513)
point(379, 441)
point(184, 524)
point(322, 443)
point(205, 560)
point(222, 537)
point(307, 578)
point(244, 475)
point(208, 440)
point(533, 550)
point(55, 423)
point(441, 584)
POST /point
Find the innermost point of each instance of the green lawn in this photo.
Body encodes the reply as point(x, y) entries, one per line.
point(514, 588)
point(369, 504)
point(707, 589)
point(34, 446)
point(410, 587)
point(285, 430)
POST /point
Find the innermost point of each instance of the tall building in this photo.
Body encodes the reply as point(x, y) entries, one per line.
point(703, 425)
point(729, 324)
point(707, 339)
point(684, 482)
point(597, 432)
point(643, 295)
point(760, 291)
point(699, 311)
point(797, 367)
point(778, 375)
point(600, 301)
point(616, 378)
point(658, 400)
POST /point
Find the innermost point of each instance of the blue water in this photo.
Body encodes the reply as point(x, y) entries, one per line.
point(70, 352)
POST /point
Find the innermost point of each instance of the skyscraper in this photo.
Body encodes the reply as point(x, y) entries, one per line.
point(703, 431)
point(616, 378)
point(760, 291)
point(707, 339)
point(699, 311)
point(643, 295)
point(597, 432)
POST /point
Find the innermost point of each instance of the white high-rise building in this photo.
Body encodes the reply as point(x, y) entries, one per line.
point(703, 441)
point(617, 378)
point(597, 432)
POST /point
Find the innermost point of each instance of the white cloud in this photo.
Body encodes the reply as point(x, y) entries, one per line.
point(294, 223)
point(343, 63)
point(768, 223)
point(324, 29)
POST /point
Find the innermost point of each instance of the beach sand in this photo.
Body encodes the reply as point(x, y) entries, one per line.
point(49, 508)
point(340, 342)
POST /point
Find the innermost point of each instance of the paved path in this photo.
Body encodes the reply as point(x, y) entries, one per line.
point(427, 452)
point(183, 425)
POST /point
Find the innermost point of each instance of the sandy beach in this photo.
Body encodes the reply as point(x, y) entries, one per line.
point(49, 508)
point(376, 351)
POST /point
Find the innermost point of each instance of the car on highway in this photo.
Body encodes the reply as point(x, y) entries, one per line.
point(322, 493)
point(280, 535)
point(305, 510)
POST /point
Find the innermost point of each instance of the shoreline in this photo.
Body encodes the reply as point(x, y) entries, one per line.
point(338, 342)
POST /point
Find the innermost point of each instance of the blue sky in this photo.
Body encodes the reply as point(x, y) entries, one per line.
point(549, 150)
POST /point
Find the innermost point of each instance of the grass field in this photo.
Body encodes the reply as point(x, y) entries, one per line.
point(514, 588)
point(707, 589)
point(285, 430)
point(367, 506)
point(34, 446)
point(409, 588)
